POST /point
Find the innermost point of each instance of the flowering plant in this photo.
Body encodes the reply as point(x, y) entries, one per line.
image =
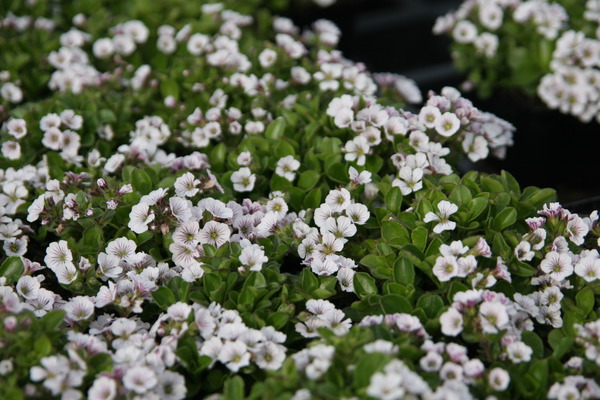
point(223, 208)
point(536, 47)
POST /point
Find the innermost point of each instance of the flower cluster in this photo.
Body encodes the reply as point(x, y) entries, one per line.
point(495, 38)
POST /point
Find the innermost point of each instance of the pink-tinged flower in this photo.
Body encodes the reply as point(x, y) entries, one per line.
point(11, 150)
point(139, 379)
point(428, 115)
point(343, 118)
point(535, 222)
point(386, 386)
point(445, 210)
point(557, 265)
point(187, 185)
point(452, 322)
point(43, 303)
point(106, 295)
point(345, 277)
point(358, 213)
point(446, 268)
point(179, 311)
point(215, 233)
point(187, 233)
point(184, 254)
point(577, 229)
point(35, 209)
point(359, 178)
point(341, 228)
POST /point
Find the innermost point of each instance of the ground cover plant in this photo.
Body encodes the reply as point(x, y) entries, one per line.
point(215, 203)
point(544, 49)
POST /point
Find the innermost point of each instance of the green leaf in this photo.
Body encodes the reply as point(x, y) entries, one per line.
point(11, 269)
point(141, 181)
point(431, 304)
point(234, 388)
point(163, 297)
point(585, 301)
point(395, 303)
point(52, 320)
point(393, 199)
point(308, 281)
point(313, 199)
point(217, 157)
point(278, 319)
point(308, 179)
point(367, 366)
point(374, 261)
point(92, 241)
point(491, 185)
point(419, 237)
point(461, 196)
point(284, 148)
point(504, 219)
point(338, 172)
point(477, 206)
point(394, 233)
point(404, 272)
point(364, 285)
point(169, 87)
point(276, 129)
point(532, 340)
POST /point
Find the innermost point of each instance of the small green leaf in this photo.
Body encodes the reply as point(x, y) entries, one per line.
point(234, 388)
point(585, 301)
point(338, 172)
point(393, 199)
point(404, 272)
point(11, 269)
point(308, 281)
point(367, 366)
point(374, 261)
point(395, 303)
point(276, 129)
point(419, 237)
point(313, 199)
point(169, 87)
point(431, 304)
point(141, 181)
point(308, 180)
point(504, 219)
point(278, 319)
point(364, 284)
point(163, 297)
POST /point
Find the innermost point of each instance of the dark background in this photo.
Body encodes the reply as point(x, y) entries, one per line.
point(551, 149)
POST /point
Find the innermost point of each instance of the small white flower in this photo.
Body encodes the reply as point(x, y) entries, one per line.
point(28, 287)
point(338, 200)
point(557, 265)
point(498, 379)
point(286, 167)
point(445, 210)
point(234, 355)
point(139, 379)
point(358, 213)
point(215, 233)
point(139, 218)
point(452, 322)
point(79, 308)
point(186, 185)
point(447, 124)
point(357, 150)
point(253, 257)
point(493, 316)
point(519, 352)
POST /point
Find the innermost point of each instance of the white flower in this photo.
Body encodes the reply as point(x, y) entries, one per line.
point(464, 32)
point(386, 386)
point(253, 257)
point(452, 322)
point(338, 200)
point(277, 206)
point(341, 228)
point(79, 308)
point(267, 57)
point(139, 218)
point(139, 379)
point(35, 209)
point(286, 167)
point(358, 213)
point(179, 311)
point(215, 233)
point(445, 210)
point(270, 356)
point(523, 251)
point(323, 267)
point(186, 185)
point(345, 277)
point(447, 124)
point(121, 247)
point(409, 180)
point(588, 268)
point(476, 147)
point(359, 178)
point(446, 268)
point(11, 150)
point(103, 388)
point(58, 254)
point(357, 150)
point(557, 265)
point(428, 115)
point(17, 128)
point(498, 379)
point(28, 287)
point(343, 118)
point(519, 352)
point(493, 316)
point(234, 355)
